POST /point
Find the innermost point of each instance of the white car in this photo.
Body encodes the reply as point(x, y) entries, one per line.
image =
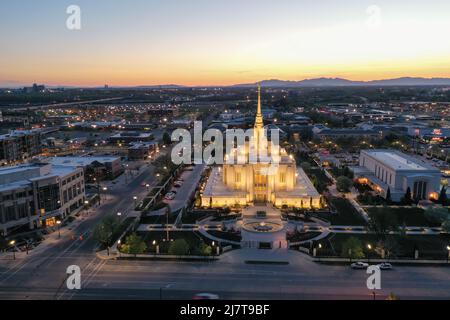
point(169, 196)
point(385, 266)
point(206, 296)
point(359, 265)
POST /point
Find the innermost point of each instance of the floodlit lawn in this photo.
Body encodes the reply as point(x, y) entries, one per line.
point(191, 237)
point(346, 214)
point(414, 217)
point(429, 246)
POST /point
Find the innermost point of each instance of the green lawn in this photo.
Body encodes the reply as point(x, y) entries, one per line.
point(346, 214)
point(192, 238)
point(429, 246)
point(406, 216)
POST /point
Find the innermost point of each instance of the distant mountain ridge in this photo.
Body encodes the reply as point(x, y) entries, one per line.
point(315, 82)
point(339, 82)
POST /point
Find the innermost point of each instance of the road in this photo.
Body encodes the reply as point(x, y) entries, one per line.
point(46, 267)
point(125, 279)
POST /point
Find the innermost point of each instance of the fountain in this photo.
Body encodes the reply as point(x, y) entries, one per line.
point(264, 226)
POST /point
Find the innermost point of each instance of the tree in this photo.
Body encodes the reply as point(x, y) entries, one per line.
point(179, 247)
point(203, 249)
point(3, 243)
point(134, 245)
point(103, 233)
point(446, 225)
point(343, 184)
point(166, 138)
point(352, 248)
point(392, 296)
point(388, 196)
point(437, 214)
point(381, 222)
point(306, 166)
point(443, 196)
point(389, 246)
point(407, 199)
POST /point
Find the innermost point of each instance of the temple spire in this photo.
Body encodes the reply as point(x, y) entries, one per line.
point(259, 117)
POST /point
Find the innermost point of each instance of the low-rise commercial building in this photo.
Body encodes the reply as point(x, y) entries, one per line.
point(128, 137)
point(37, 195)
point(19, 146)
point(141, 151)
point(99, 168)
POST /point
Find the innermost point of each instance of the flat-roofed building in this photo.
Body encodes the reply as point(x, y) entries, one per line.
point(128, 137)
point(141, 151)
point(94, 167)
point(37, 195)
point(19, 146)
point(392, 170)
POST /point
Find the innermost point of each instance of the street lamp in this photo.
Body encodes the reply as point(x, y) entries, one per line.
point(135, 201)
point(448, 255)
point(86, 202)
point(12, 243)
point(119, 214)
point(369, 247)
point(59, 228)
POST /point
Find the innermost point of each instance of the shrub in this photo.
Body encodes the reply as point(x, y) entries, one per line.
point(179, 247)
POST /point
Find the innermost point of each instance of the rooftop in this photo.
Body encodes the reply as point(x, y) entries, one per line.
point(79, 161)
point(398, 161)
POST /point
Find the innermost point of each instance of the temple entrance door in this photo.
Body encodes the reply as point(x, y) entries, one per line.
point(260, 198)
point(260, 186)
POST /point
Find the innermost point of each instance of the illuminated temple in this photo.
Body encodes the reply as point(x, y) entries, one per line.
point(246, 179)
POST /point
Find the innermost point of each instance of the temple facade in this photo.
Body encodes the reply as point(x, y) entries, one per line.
point(257, 172)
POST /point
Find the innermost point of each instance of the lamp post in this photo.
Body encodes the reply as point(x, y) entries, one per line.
point(448, 253)
point(319, 247)
point(369, 247)
point(118, 247)
point(135, 201)
point(12, 243)
point(105, 189)
point(86, 208)
point(58, 223)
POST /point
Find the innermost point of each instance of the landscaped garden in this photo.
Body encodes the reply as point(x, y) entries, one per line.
point(409, 216)
point(395, 246)
point(343, 213)
point(180, 243)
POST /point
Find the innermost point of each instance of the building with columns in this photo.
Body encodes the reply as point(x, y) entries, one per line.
point(392, 170)
point(257, 172)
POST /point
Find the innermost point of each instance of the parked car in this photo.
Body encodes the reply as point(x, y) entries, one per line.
point(385, 266)
point(170, 196)
point(359, 265)
point(177, 184)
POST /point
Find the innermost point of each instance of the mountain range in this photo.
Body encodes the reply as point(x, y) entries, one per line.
point(276, 83)
point(339, 82)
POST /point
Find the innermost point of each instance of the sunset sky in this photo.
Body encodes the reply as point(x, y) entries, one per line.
point(221, 42)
